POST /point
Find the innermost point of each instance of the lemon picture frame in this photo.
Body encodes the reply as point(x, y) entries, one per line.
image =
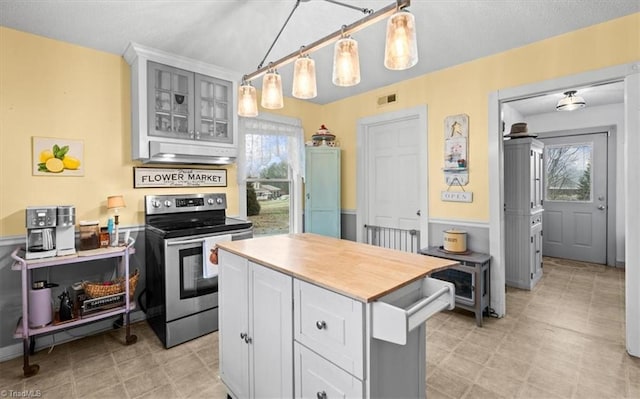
point(57, 157)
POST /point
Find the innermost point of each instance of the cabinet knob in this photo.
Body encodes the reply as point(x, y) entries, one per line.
point(321, 395)
point(321, 324)
point(243, 336)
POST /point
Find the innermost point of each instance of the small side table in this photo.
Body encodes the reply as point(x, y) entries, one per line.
point(471, 279)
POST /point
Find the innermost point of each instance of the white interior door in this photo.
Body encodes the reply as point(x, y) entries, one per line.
point(392, 172)
point(575, 197)
point(393, 196)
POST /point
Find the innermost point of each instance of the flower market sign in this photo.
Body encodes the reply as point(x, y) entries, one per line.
point(158, 177)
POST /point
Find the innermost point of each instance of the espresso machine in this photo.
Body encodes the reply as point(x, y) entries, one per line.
point(41, 231)
point(66, 230)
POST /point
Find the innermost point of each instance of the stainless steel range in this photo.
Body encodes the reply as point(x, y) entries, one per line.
point(181, 262)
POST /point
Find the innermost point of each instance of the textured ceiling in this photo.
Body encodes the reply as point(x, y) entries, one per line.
point(236, 34)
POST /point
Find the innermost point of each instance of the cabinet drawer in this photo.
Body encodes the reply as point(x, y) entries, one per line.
point(318, 378)
point(393, 317)
point(330, 324)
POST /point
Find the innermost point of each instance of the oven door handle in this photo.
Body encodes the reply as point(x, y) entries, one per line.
point(183, 242)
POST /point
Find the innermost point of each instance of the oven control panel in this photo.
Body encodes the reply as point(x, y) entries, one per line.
point(159, 204)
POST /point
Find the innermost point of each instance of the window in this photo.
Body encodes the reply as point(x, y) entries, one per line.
point(568, 172)
point(271, 172)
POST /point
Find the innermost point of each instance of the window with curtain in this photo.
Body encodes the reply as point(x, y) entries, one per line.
point(271, 172)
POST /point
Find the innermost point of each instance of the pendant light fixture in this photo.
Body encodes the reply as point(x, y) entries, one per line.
point(401, 49)
point(346, 62)
point(570, 101)
point(272, 90)
point(304, 77)
point(247, 100)
point(400, 53)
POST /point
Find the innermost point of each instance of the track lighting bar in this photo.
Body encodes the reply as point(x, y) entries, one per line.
point(318, 44)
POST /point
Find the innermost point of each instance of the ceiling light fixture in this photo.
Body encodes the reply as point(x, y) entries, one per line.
point(400, 53)
point(272, 90)
point(304, 77)
point(570, 101)
point(346, 62)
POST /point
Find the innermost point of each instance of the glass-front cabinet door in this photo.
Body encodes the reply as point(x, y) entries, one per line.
point(213, 119)
point(170, 96)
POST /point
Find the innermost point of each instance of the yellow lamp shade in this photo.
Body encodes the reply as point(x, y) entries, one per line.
point(115, 201)
point(401, 49)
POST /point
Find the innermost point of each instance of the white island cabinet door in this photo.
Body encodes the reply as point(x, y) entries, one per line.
point(233, 298)
point(271, 327)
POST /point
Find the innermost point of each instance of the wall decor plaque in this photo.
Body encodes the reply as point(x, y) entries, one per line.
point(144, 177)
point(456, 155)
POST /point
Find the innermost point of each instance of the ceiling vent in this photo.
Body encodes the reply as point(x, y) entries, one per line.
point(388, 99)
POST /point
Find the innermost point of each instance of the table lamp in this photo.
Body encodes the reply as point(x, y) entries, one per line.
point(115, 202)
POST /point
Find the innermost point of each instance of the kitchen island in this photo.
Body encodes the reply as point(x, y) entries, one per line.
point(303, 315)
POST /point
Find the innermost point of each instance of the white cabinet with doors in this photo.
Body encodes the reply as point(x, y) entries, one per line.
point(322, 191)
point(523, 193)
point(256, 355)
point(181, 108)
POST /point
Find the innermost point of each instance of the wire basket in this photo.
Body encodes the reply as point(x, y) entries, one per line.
point(97, 290)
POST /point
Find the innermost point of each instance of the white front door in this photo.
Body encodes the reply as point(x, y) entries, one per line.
point(392, 170)
point(575, 197)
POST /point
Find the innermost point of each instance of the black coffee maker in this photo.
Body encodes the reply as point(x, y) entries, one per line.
point(66, 309)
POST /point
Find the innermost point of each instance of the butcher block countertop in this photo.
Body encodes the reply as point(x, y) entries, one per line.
point(360, 271)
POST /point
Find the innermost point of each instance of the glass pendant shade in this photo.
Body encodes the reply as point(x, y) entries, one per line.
point(346, 65)
point(570, 102)
point(304, 78)
point(272, 91)
point(247, 101)
point(401, 49)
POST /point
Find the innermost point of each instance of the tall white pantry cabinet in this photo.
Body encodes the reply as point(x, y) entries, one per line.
point(322, 191)
point(523, 197)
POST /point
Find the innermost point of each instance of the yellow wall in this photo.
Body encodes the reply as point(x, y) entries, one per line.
point(54, 89)
point(465, 89)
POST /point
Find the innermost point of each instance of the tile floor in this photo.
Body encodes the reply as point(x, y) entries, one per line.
point(564, 339)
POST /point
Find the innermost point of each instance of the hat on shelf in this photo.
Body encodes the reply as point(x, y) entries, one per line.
point(520, 130)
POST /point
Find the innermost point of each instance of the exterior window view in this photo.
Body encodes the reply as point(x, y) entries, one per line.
point(268, 183)
point(568, 172)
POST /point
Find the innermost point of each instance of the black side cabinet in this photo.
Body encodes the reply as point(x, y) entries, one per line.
point(471, 279)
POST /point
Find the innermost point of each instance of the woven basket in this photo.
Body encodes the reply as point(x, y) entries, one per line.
point(97, 290)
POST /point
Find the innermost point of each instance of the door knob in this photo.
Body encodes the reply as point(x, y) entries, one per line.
point(601, 207)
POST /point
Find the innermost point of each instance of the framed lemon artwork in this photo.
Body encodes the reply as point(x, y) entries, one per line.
point(57, 157)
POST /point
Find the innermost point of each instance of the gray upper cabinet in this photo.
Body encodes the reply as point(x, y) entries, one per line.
point(188, 105)
point(182, 110)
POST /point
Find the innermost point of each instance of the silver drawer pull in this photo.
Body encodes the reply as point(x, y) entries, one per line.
point(321, 324)
point(321, 395)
